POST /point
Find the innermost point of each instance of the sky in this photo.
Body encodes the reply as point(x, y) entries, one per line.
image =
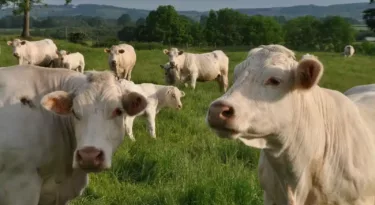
point(204, 5)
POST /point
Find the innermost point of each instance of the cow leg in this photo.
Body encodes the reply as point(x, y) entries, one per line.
point(151, 124)
point(129, 127)
point(72, 187)
point(129, 75)
point(193, 80)
point(82, 67)
point(22, 188)
point(224, 81)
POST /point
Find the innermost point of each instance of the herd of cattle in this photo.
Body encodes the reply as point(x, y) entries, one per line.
point(57, 125)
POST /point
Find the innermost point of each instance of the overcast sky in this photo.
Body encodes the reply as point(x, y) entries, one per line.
point(203, 5)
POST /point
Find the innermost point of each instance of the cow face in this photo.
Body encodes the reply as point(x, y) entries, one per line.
point(97, 109)
point(171, 74)
point(114, 55)
point(19, 47)
point(173, 97)
point(262, 101)
point(62, 54)
point(174, 56)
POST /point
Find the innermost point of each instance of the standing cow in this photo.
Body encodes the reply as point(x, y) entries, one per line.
point(318, 145)
point(56, 127)
point(349, 51)
point(121, 60)
point(198, 67)
point(72, 61)
point(40, 53)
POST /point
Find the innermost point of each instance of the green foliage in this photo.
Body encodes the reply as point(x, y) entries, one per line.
point(302, 33)
point(107, 42)
point(77, 37)
point(124, 20)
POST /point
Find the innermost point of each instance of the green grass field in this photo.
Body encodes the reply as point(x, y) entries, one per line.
point(187, 164)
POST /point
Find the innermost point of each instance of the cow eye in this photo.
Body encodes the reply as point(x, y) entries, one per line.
point(173, 95)
point(273, 81)
point(117, 112)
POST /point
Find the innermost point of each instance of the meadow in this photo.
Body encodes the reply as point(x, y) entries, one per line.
point(187, 163)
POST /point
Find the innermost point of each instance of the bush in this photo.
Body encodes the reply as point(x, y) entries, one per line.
point(366, 47)
point(107, 42)
point(77, 37)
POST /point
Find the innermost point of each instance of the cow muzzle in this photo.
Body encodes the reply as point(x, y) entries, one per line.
point(16, 55)
point(220, 116)
point(90, 159)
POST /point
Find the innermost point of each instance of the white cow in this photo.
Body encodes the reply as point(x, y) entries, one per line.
point(41, 53)
point(198, 67)
point(72, 61)
point(349, 51)
point(121, 60)
point(56, 127)
point(158, 97)
point(318, 145)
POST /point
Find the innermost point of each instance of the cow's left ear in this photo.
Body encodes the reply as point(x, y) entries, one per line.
point(58, 102)
point(182, 93)
point(309, 72)
point(133, 103)
point(180, 52)
point(23, 42)
point(9, 43)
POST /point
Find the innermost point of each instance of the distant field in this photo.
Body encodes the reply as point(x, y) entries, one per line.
point(187, 164)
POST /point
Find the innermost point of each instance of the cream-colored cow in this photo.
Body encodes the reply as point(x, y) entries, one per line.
point(318, 145)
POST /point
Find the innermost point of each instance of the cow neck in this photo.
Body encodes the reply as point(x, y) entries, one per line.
point(323, 144)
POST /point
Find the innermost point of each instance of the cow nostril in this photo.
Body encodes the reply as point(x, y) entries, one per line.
point(100, 156)
point(227, 112)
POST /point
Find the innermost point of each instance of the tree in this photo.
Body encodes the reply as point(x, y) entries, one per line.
point(302, 33)
point(24, 7)
point(335, 33)
point(124, 20)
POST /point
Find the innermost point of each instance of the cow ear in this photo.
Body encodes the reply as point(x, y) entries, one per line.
point(133, 103)
point(23, 42)
point(106, 50)
point(165, 51)
point(9, 43)
point(182, 93)
point(309, 72)
point(180, 52)
point(58, 102)
point(121, 51)
point(67, 53)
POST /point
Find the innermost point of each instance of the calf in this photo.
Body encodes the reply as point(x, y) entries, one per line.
point(158, 97)
point(72, 61)
point(121, 60)
point(349, 51)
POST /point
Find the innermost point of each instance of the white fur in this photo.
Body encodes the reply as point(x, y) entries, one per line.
point(349, 51)
point(72, 61)
point(125, 61)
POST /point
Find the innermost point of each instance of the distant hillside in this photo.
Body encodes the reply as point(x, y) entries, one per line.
point(353, 10)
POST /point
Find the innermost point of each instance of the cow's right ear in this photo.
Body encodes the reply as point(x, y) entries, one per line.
point(165, 51)
point(309, 72)
point(10, 43)
point(58, 102)
point(106, 50)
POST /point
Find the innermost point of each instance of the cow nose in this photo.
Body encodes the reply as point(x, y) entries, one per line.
point(179, 106)
point(90, 158)
point(172, 63)
point(219, 113)
point(114, 62)
point(15, 54)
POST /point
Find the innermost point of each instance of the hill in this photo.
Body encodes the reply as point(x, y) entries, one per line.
point(353, 10)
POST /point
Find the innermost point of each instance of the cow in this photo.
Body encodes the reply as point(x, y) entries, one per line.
point(198, 67)
point(121, 60)
point(57, 126)
point(72, 61)
point(158, 97)
point(349, 51)
point(317, 144)
point(40, 53)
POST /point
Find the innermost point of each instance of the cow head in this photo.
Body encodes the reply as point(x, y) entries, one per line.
point(18, 46)
point(173, 97)
point(62, 54)
point(264, 100)
point(175, 56)
point(171, 73)
point(97, 109)
point(114, 54)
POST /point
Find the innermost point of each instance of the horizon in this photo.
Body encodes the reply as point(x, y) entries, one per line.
point(204, 4)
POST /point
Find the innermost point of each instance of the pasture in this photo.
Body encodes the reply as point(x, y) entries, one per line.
point(188, 163)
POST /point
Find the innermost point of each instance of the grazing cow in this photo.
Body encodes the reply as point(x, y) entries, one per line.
point(158, 97)
point(198, 67)
point(121, 60)
point(72, 61)
point(318, 145)
point(56, 127)
point(40, 53)
point(349, 51)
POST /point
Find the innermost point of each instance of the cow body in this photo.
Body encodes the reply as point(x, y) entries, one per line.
point(57, 126)
point(72, 61)
point(318, 144)
point(40, 53)
point(158, 97)
point(349, 51)
point(121, 60)
point(198, 67)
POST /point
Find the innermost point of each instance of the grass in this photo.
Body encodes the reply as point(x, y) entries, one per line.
point(188, 164)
